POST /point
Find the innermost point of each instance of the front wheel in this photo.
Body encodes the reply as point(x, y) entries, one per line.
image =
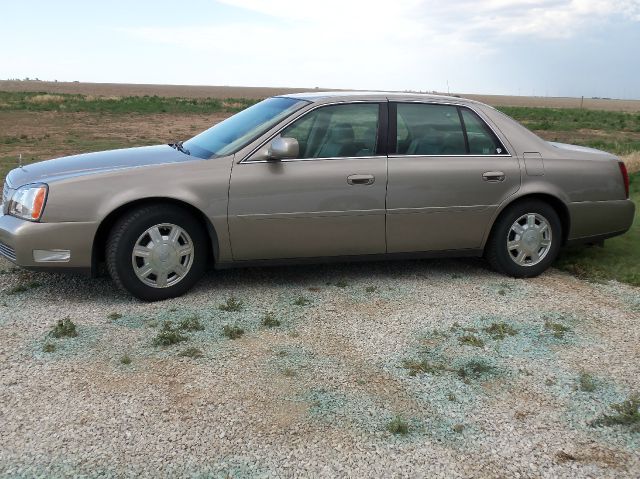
point(157, 252)
point(525, 239)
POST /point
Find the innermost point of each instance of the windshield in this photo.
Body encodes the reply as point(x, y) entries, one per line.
point(235, 132)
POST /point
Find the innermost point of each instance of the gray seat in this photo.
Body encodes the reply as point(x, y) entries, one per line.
point(340, 142)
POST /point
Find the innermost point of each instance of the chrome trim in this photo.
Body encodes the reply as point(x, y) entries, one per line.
point(8, 252)
point(426, 102)
point(331, 158)
point(348, 102)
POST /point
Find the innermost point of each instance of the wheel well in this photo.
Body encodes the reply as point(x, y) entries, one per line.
point(100, 239)
point(556, 203)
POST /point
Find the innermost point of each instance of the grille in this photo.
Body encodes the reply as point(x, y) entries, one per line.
point(8, 252)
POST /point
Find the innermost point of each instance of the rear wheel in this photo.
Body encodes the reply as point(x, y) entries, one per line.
point(157, 252)
point(525, 239)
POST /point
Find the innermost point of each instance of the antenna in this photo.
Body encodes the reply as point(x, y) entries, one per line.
point(20, 161)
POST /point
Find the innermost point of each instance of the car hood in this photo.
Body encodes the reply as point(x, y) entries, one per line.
point(91, 163)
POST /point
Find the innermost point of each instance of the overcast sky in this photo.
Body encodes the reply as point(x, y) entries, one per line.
point(519, 47)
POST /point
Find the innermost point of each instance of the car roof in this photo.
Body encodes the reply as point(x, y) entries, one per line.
point(323, 96)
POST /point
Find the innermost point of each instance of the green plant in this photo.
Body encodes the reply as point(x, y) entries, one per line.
point(557, 329)
point(500, 330)
point(194, 353)
point(474, 369)
point(64, 328)
point(192, 323)
point(232, 332)
point(587, 382)
point(627, 414)
point(398, 426)
point(114, 316)
point(471, 340)
point(301, 301)
point(371, 289)
point(125, 359)
point(48, 348)
point(168, 335)
point(270, 321)
point(423, 366)
point(232, 305)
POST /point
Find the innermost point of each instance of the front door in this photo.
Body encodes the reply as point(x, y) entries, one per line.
point(448, 172)
point(330, 201)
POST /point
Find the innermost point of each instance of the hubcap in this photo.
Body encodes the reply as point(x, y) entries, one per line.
point(162, 255)
point(529, 239)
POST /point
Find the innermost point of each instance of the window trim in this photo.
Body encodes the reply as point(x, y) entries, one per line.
point(382, 135)
point(393, 133)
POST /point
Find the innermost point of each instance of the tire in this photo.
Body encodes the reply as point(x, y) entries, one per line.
point(161, 269)
point(527, 251)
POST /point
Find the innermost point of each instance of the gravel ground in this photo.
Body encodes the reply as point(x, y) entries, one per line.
point(314, 395)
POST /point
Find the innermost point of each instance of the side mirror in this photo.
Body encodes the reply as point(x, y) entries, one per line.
point(283, 148)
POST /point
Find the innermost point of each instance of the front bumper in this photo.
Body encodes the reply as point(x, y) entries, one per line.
point(19, 239)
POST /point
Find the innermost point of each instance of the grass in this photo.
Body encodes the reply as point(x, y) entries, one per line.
point(64, 328)
point(471, 340)
point(620, 257)
point(500, 330)
point(558, 330)
point(371, 289)
point(192, 323)
point(270, 321)
point(586, 382)
point(232, 305)
point(34, 101)
point(301, 301)
point(232, 332)
point(114, 316)
point(48, 348)
point(125, 359)
point(474, 369)
point(415, 367)
point(398, 426)
point(168, 335)
point(626, 414)
point(194, 353)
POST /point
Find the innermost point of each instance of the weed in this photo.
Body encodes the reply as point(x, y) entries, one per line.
point(232, 332)
point(18, 289)
point(557, 329)
point(416, 367)
point(565, 456)
point(232, 305)
point(126, 360)
point(289, 373)
point(114, 316)
point(301, 301)
point(587, 382)
point(398, 426)
point(452, 397)
point(341, 284)
point(458, 428)
point(64, 328)
point(269, 320)
point(500, 330)
point(192, 323)
point(48, 348)
point(194, 353)
point(474, 369)
point(627, 414)
point(371, 289)
point(168, 335)
point(471, 340)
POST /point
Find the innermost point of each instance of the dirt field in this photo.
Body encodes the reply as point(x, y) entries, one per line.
point(187, 91)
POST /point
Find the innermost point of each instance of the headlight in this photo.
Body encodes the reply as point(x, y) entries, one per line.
point(28, 202)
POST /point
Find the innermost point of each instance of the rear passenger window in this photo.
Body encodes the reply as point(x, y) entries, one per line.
point(425, 129)
point(482, 141)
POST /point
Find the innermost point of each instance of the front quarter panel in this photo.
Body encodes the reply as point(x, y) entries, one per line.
point(203, 184)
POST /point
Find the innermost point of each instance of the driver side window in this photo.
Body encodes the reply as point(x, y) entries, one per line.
point(336, 131)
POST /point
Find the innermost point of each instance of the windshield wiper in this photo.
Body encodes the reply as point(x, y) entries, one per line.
point(178, 146)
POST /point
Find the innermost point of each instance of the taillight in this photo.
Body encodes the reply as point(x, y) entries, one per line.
point(625, 178)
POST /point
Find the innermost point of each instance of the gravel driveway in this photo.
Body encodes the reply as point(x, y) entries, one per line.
point(407, 369)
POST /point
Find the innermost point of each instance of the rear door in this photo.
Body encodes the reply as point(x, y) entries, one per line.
point(330, 201)
point(448, 172)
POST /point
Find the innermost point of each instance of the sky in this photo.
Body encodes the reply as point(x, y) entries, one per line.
point(574, 48)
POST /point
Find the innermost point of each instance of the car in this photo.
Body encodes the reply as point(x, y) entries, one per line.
point(314, 177)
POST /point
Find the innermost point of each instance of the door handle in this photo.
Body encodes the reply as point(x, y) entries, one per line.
point(493, 176)
point(361, 179)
